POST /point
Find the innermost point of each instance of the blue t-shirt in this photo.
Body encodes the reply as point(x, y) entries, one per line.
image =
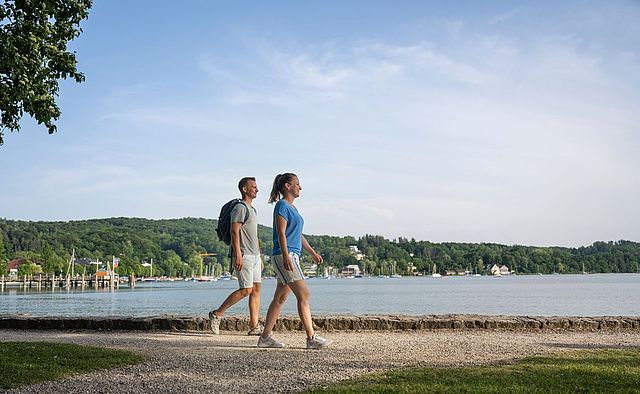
point(293, 232)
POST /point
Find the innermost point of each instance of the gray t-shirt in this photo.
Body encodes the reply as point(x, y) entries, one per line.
point(248, 230)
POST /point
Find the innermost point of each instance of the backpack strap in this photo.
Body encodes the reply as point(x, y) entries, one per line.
point(246, 216)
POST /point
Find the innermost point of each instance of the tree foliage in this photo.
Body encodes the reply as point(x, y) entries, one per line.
point(33, 56)
point(3, 257)
point(174, 245)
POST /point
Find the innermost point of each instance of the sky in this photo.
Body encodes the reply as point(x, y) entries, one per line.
point(494, 121)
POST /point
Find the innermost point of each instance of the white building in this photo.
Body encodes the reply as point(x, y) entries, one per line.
point(497, 270)
point(351, 270)
point(310, 270)
point(356, 252)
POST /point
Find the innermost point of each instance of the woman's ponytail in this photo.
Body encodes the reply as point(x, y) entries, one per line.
point(275, 195)
point(277, 191)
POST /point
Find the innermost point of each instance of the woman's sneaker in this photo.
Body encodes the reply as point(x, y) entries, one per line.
point(256, 330)
point(269, 341)
point(318, 342)
point(215, 322)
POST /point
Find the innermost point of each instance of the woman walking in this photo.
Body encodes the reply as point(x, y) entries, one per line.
point(288, 243)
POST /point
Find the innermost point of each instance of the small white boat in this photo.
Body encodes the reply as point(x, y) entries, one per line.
point(206, 279)
point(434, 272)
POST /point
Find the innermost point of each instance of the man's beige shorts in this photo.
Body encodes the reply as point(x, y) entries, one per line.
point(251, 271)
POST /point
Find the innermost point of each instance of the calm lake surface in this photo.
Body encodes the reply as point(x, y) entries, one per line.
point(547, 295)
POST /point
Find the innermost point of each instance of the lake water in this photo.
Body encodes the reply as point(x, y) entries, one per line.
point(547, 295)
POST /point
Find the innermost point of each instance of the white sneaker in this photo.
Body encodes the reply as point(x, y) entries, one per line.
point(215, 322)
point(256, 330)
point(269, 341)
point(318, 342)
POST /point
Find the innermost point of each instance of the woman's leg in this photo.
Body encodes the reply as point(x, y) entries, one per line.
point(279, 297)
point(301, 291)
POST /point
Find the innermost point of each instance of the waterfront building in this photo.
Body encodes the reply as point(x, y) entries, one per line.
point(13, 265)
point(500, 270)
point(351, 270)
point(310, 270)
point(356, 252)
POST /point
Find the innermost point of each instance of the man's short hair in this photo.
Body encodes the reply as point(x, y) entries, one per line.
point(243, 182)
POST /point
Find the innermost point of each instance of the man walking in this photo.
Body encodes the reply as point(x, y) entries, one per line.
point(245, 257)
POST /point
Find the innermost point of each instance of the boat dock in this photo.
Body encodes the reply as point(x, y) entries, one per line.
point(52, 281)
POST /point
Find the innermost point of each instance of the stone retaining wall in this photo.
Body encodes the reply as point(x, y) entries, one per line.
point(332, 323)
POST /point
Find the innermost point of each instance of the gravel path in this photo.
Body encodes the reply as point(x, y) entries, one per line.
point(188, 362)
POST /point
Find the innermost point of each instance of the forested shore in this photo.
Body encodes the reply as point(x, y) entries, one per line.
point(177, 247)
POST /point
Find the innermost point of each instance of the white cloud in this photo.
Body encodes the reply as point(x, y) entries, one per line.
point(513, 145)
point(308, 73)
point(174, 116)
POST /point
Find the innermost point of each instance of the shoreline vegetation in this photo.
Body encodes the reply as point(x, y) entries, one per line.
point(189, 247)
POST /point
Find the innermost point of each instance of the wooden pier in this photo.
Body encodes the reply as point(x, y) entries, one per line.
point(52, 281)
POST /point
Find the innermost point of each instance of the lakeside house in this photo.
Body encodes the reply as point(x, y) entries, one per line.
point(500, 270)
point(351, 270)
point(356, 252)
point(14, 265)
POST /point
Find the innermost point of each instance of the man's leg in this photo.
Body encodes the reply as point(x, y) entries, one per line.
point(231, 300)
point(245, 282)
point(254, 298)
point(246, 287)
point(215, 316)
point(254, 305)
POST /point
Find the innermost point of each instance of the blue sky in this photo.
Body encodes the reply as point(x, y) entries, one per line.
point(507, 122)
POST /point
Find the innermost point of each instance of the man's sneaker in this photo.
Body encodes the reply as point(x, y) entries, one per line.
point(269, 341)
point(256, 330)
point(318, 342)
point(215, 322)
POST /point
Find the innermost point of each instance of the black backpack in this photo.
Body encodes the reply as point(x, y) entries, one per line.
point(224, 220)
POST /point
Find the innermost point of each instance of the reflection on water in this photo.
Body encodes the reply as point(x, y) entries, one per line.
point(569, 295)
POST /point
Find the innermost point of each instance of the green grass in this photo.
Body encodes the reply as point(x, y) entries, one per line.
point(597, 371)
point(23, 363)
